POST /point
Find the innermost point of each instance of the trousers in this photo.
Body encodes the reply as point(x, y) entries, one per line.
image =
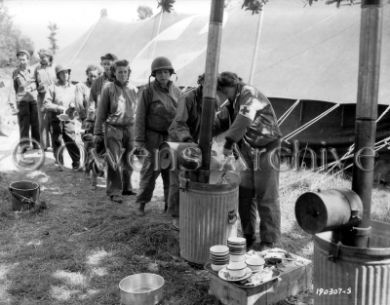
point(28, 120)
point(64, 133)
point(43, 118)
point(259, 192)
point(151, 169)
point(119, 144)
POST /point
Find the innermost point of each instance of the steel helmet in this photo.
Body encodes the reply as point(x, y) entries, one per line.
point(61, 68)
point(161, 63)
point(44, 52)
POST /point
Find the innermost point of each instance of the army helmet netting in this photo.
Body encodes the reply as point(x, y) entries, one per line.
point(161, 63)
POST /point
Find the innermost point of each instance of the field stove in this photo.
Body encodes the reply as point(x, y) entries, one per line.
point(352, 252)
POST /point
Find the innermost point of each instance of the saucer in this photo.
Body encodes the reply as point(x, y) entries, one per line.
point(224, 274)
point(63, 117)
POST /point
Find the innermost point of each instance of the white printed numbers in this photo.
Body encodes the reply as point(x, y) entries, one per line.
point(333, 291)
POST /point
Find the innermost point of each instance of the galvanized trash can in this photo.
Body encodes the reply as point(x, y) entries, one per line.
point(351, 275)
point(208, 216)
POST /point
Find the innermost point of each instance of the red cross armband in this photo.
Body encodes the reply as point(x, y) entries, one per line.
point(249, 110)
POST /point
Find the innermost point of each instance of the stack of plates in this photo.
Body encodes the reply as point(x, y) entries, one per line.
point(219, 256)
point(237, 245)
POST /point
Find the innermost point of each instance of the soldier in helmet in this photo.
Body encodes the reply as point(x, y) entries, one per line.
point(250, 123)
point(155, 111)
point(60, 98)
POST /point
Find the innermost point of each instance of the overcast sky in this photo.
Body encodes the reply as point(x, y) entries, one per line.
point(74, 17)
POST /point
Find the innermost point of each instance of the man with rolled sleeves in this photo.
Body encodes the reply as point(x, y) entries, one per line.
point(114, 126)
point(26, 98)
point(44, 78)
point(250, 123)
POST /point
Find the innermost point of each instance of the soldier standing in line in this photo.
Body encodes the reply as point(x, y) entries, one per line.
point(44, 78)
point(26, 99)
point(114, 128)
point(250, 122)
point(106, 61)
point(156, 110)
point(61, 99)
point(83, 90)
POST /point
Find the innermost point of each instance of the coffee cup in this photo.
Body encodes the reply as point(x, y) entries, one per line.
point(236, 269)
point(255, 263)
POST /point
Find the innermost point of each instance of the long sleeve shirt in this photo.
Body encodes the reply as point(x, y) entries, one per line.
point(44, 78)
point(95, 94)
point(116, 106)
point(186, 124)
point(59, 95)
point(24, 85)
point(82, 95)
point(156, 110)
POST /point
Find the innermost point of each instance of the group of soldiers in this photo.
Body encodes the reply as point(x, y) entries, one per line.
point(124, 120)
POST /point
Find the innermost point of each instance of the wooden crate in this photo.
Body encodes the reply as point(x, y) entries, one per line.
point(294, 278)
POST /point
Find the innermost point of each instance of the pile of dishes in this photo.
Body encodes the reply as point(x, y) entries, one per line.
point(233, 264)
point(219, 257)
point(237, 248)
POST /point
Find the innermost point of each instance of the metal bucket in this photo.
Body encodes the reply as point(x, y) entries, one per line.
point(141, 289)
point(208, 216)
point(352, 275)
point(175, 155)
point(24, 194)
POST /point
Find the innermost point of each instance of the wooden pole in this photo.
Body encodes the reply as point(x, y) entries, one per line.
point(366, 112)
point(210, 86)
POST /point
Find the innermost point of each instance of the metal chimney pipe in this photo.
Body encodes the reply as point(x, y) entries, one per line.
point(210, 86)
point(366, 114)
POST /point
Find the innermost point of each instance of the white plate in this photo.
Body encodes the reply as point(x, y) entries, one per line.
point(63, 117)
point(224, 274)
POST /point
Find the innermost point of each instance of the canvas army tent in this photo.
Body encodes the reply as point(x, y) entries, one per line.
point(305, 52)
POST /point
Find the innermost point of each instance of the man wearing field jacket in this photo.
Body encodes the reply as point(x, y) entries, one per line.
point(106, 61)
point(250, 123)
point(155, 111)
point(184, 128)
point(26, 98)
point(114, 126)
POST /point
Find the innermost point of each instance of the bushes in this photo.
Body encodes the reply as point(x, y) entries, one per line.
point(11, 39)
